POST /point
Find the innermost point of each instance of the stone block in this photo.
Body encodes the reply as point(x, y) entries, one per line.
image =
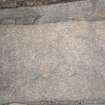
point(7, 3)
point(81, 10)
point(62, 61)
point(100, 8)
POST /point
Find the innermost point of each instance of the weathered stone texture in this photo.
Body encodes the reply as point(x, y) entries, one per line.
point(54, 62)
point(54, 13)
point(88, 10)
point(20, 3)
point(100, 8)
point(7, 3)
point(62, 61)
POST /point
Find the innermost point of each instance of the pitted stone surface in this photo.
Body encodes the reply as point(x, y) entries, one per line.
point(62, 61)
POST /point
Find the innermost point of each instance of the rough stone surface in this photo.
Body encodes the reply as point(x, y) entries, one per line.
point(53, 64)
point(44, 14)
point(17, 104)
point(57, 103)
point(81, 10)
point(7, 3)
point(100, 8)
point(62, 61)
point(20, 3)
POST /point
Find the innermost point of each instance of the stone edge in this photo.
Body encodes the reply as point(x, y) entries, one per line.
point(60, 102)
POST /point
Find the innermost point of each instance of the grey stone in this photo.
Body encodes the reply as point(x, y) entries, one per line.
point(80, 10)
point(62, 61)
point(67, 11)
point(21, 3)
point(24, 21)
point(17, 104)
point(88, 10)
point(49, 103)
point(7, 3)
point(7, 21)
point(100, 8)
point(93, 101)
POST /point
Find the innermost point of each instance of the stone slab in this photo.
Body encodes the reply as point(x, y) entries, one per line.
point(100, 8)
point(53, 103)
point(79, 10)
point(23, 3)
point(88, 10)
point(62, 61)
point(8, 3)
